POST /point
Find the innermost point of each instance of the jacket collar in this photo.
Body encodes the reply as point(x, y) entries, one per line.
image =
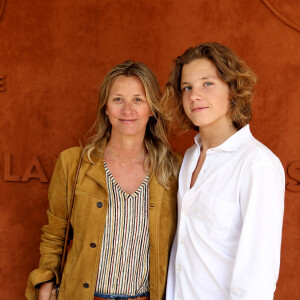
point(155, 189)
point(97, 159)
point(96, 170)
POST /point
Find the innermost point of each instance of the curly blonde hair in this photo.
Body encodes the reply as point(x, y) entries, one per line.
point(231, 69)
point(161, 160)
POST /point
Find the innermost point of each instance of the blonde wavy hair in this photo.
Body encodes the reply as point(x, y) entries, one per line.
point(234, 71)
point(160, 159)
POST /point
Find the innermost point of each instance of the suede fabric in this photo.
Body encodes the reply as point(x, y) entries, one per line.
point(88, 222)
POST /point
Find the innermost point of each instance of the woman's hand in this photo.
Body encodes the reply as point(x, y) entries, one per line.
point(45, 290)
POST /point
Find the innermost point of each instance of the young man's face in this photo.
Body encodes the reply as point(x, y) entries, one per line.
point(205, 95)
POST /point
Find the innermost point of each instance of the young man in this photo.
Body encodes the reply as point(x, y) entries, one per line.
point(231, 187)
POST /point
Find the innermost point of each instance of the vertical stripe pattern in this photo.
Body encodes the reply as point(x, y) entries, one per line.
point(124, 260)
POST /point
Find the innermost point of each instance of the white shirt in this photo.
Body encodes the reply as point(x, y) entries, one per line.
point(227, 245)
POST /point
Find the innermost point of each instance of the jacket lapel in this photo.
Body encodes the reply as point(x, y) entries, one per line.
point(97, 173)
point(156, 192)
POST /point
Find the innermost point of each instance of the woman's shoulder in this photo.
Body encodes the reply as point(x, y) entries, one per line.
point(69, 158)
point(71, 153)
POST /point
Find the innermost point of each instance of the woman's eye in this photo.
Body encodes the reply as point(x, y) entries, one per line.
point(186, 88)
point(208, 83)
point(117, 99)
point(138, 100)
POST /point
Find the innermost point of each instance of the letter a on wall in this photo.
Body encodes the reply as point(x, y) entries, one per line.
point(34, 170)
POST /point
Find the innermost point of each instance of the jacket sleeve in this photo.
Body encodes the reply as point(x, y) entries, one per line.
point(257, 259)
point(53, 234)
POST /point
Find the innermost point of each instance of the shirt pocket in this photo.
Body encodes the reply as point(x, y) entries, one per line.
point(214, 215)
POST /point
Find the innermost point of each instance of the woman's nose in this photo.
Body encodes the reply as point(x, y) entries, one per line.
point(127, 108)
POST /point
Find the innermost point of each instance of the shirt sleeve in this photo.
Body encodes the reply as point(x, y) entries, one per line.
point(53, 234)
point(257, 260)
point(171, 272)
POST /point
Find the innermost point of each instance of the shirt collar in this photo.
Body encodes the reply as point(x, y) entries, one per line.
point(232, 143)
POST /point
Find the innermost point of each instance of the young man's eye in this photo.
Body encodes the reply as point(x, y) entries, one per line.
point(186, 88)
point(208, 83)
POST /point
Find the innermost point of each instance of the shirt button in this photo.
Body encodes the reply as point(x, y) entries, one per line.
point(93, 245)
point(99, 204)
point(86, 285)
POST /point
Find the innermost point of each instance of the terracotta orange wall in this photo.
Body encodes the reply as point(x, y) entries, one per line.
point(53, 56)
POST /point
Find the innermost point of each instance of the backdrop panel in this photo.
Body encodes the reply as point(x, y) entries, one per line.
point(53, 56)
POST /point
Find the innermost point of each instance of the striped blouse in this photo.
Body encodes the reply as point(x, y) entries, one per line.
point(124, 260)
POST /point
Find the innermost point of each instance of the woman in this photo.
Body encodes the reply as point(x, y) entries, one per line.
point(124, 215)
point(231, 187)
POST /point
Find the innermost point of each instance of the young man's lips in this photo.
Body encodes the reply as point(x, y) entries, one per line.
point(199, 108)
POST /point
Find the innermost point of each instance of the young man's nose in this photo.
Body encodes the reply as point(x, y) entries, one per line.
point(196, 95)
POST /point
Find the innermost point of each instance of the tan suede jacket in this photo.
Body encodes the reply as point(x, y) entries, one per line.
point(88, 222)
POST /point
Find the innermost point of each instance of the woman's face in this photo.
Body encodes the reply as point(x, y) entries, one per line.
point(127, 107)
point(205, 95)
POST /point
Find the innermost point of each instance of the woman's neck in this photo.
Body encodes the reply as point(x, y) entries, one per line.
point(125, 147)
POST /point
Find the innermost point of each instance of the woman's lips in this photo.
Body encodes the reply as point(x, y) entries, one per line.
point(127, 121)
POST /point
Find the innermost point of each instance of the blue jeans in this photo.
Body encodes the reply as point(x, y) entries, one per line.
point(117, 297)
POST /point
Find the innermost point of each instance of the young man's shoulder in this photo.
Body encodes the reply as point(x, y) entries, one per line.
point(258, 153)
point(190, 150)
